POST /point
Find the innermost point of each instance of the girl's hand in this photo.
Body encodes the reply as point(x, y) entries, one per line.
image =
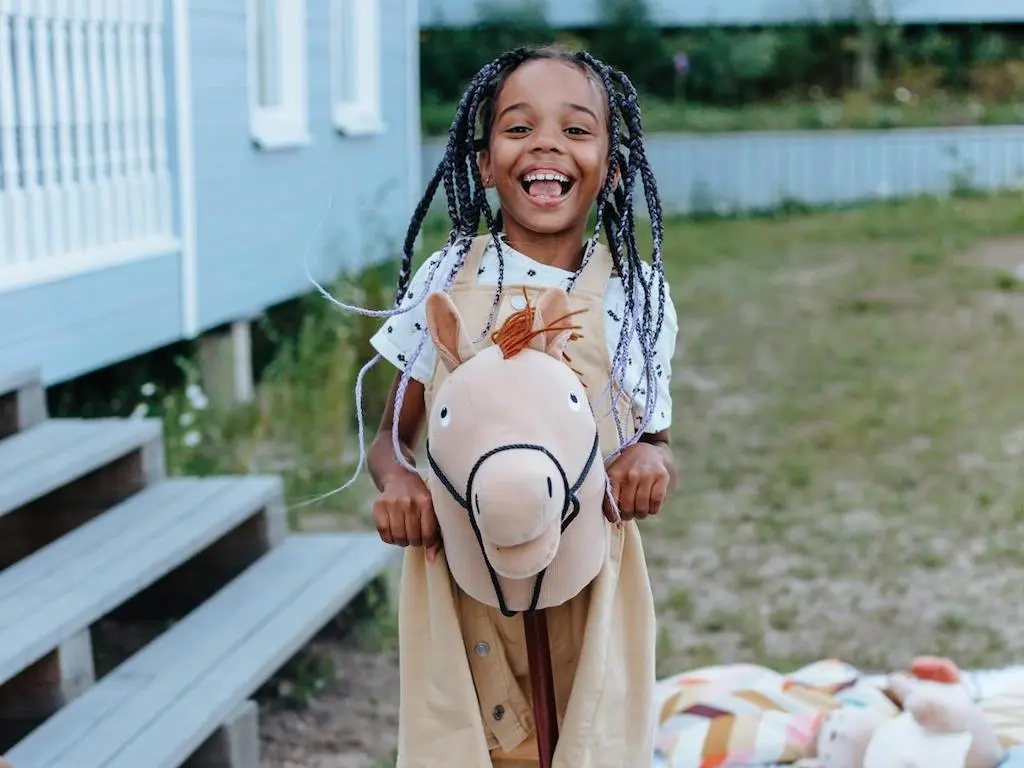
point(640, 477)
point(404, 514)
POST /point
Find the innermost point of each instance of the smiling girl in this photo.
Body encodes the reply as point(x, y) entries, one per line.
point(557, 136)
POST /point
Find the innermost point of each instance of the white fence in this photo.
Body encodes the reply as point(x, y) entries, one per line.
point(738, 172)
point(84, 166)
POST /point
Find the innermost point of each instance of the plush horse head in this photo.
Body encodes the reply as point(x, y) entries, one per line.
point(517, 479)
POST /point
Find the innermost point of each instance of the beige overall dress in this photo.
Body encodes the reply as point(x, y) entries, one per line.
point(464, 678)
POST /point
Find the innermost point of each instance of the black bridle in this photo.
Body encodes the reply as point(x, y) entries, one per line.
point(570, 505)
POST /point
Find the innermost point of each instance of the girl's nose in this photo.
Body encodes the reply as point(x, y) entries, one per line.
point(547, 140)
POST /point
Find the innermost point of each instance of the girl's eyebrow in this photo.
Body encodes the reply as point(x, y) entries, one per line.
point(512, 107)
point(581, 108)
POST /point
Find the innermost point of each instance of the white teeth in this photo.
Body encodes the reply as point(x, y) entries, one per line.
point(546, 176)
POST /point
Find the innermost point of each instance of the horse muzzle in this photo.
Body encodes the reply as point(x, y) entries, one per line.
point(517, 495)
point(505, 502)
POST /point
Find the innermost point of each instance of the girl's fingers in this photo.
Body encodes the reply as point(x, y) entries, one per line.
point(433, 550)
point(426, 524)
point(609, 504)
point(399, 516)
point(382, 520)
point(642, 497)
point(626, 497)
point(659, 492)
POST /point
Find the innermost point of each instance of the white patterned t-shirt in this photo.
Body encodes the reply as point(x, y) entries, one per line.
point(399, 336)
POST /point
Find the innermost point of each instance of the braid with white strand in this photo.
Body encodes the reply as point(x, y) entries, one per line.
point(466, 199)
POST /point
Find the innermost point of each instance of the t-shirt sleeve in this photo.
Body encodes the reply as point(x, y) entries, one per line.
point(399, 336)
point(664, 351)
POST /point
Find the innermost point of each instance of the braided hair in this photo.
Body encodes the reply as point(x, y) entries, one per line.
point(467, 203)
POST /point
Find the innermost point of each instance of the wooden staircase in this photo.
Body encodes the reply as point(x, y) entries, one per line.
point(90, 527)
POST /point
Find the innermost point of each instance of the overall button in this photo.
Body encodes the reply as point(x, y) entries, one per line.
point(499, 712)
point(518, 302)
point(481, 649)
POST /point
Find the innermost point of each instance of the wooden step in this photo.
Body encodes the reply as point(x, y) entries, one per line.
point(70, 584)
point(22, 400)
point(59, 451)
point(158, 707)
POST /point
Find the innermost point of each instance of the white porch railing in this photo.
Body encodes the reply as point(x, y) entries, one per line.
point(84, 174)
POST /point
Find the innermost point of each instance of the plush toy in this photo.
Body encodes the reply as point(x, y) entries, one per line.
point(845, 736)
point(940, 726)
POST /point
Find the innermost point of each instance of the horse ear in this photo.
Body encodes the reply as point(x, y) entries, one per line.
point(447, 332)
point(552, 306)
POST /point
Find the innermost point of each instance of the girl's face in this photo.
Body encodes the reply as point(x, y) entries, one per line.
point(548, 153)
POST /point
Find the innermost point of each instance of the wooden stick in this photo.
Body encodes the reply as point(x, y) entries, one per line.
point(542, 681)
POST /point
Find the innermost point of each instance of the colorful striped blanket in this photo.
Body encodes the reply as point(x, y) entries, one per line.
point(743, 715)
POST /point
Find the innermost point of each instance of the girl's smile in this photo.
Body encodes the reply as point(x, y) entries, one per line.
point(546, 185)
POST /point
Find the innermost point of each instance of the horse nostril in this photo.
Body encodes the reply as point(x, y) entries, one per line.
point(551, 489)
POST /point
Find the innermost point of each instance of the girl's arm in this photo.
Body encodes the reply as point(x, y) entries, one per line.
point(381, 456)
point(403, 511)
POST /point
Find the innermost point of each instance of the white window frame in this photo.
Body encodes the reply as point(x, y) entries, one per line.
point(287, 124)
point(363, 115)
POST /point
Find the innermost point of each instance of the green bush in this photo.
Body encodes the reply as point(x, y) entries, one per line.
point(727, 66)
point(450, 57)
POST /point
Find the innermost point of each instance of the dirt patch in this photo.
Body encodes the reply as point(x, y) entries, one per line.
point(350, 723)
point(1005, 254)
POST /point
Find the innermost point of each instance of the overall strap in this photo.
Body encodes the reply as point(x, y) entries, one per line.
point(470, 267)
point(595, 276)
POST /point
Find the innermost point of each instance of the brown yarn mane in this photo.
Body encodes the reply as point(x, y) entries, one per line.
point(516, 333)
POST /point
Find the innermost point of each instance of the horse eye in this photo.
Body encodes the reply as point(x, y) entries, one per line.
point(445, 416)
point(574, 401)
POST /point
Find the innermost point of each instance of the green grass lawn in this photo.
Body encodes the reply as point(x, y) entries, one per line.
point(850, 430)
point(850, 427)
point(853, 112)
point(849, 424)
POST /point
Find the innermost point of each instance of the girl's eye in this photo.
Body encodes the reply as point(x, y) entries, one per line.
point(517, 129)
point(444, 416)
point(577, 131)
point(575, 402)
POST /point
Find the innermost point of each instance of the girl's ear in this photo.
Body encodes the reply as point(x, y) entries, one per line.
point(552, 309)
point(483, 164)
point(447, 331)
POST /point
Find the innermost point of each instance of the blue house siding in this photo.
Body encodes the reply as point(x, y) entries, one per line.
point(695, 13)
point(80, 324)
point(259, 215)
point(338, 201)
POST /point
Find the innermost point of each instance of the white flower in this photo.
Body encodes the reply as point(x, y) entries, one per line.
point(192, 438)
point(148, 389)
point(196, 397)
point(140, 412)
point(187, 419)
point(903, 95)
